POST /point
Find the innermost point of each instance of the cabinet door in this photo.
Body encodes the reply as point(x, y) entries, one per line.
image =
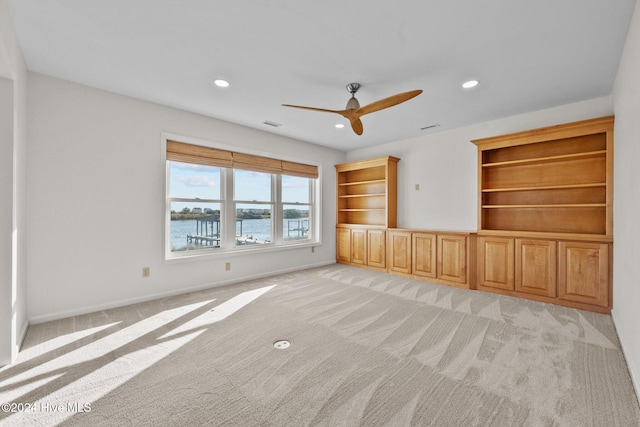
point(343, 245)
point(400, 251)
point(536, 267)
point(424, 254)
point(452, 258)
point(376, 248)
point(359, 246)
point(584, 272)
point(495, 262)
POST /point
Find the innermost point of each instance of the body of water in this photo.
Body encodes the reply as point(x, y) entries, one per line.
point(258, 229)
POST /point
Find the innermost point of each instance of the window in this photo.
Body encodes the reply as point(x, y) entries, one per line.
point(219, 201)
point(253, 207)
point(296, 207)
point(195, 206)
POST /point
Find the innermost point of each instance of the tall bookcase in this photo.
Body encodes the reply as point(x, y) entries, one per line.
point(367, 193)
point(545, 214)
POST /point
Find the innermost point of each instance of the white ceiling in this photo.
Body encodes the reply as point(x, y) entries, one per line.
point(527, 54)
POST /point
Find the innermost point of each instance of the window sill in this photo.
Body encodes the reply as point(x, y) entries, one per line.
point(236, 251)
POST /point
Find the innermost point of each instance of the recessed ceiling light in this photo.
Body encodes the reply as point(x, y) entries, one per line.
point(339, 126)
point(470, 84)
point(221, 83)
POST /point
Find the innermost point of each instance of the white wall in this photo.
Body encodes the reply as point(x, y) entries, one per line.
point(626, 200)
point(13, 303)
point(444, 164)
point(96, 199)
point(6, 219)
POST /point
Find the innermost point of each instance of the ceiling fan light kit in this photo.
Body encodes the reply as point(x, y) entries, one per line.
point(353, 111)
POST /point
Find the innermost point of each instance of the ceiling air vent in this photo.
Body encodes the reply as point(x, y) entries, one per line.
point(430, 126)
point(273, 124)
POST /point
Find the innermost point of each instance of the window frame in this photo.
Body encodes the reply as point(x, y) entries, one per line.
point(227, 202)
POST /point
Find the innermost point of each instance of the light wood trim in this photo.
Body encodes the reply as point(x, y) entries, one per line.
point(609, 175)
point(362, 164)
point(568, 130)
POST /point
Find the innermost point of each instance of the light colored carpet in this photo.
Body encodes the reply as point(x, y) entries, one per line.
point(367, 349)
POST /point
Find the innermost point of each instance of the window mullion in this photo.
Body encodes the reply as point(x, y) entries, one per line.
point(278, 214)
point(229, 207)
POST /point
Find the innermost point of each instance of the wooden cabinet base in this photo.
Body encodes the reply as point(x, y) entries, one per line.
point(570, 273)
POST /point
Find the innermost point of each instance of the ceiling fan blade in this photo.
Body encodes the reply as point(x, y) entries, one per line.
point(313, 108)
point(356, 125)
point(388, 102)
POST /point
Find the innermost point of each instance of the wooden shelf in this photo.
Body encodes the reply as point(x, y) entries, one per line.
point(555, 179)
point(366, 192)
point(560, 205)
point(549, 159)
point(349, 196)
point(373, 181)
point(545, 187)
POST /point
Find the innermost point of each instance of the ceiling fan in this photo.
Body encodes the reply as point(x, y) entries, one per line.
point(353, 111)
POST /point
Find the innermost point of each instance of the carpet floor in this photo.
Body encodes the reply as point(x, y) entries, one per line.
point(367, 349)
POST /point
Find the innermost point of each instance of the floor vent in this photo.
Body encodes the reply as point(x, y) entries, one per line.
point(282, 344)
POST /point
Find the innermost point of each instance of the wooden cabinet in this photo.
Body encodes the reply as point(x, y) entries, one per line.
point(545, 219)
point(424, 254)
point(343, 245)
point(359, 246)
point(439, 257)
point(399, 251)
point(452, 258)
point(377, 248)
point(367, 192)
point(496, 263)
point(536, 267)
point(584, 272)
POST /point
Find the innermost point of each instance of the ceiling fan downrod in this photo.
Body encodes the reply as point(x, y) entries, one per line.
point(353, 103)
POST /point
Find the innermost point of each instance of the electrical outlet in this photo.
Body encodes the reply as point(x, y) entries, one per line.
point(313, 249)
point(417, 187)
point(227, 266)
point(146, 271)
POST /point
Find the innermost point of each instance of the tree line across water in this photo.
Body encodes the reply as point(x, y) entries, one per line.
point(191, 214)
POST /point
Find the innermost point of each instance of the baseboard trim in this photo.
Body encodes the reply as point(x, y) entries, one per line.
point(121, 303)
point(635, 377)
point(23, 335)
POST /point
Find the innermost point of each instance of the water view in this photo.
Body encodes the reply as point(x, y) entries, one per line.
point(248, 231)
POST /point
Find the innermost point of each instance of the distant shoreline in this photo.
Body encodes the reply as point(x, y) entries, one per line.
point(179, 216)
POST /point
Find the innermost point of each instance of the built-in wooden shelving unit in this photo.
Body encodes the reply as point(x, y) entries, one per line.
point(367, 192)
point(545, 214)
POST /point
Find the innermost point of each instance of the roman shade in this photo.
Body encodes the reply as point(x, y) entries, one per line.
point(197, 154)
